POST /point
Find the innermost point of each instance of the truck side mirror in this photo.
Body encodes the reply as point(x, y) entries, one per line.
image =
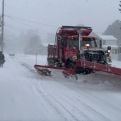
point(109, 48)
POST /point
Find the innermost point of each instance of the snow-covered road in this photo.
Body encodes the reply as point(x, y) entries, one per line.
point(26, 96)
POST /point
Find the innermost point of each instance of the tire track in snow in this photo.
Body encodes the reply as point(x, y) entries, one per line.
point(101, 98)
point(89, 109)
point(48, 98)
point(86, 96)
point(45, 97)
point(86, 105)
point(73, 103)
point(72, 107)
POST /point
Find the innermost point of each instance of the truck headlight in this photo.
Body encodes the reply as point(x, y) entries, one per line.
point(74, 57)
point(87, 45)
point(109, 51)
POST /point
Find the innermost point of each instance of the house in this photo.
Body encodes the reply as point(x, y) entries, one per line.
point(109, 40)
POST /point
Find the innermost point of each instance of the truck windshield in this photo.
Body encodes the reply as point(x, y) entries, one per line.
point(90, 41)
point(72, 43)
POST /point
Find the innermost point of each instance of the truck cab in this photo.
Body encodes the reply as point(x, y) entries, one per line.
point(74, 42)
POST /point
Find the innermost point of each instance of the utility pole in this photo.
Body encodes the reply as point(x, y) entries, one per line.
point(2, 25)
point(2, 57)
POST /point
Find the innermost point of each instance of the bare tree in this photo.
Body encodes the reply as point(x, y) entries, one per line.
point(119, 6)
point(33, 44)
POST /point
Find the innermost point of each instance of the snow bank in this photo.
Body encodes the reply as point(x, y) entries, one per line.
point(116, 63)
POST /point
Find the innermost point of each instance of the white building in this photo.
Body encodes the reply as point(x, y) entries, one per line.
point(109, 40)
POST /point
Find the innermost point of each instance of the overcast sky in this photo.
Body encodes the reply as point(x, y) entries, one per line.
point(48, 15)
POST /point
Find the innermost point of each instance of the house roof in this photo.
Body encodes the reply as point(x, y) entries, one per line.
point(113, 46)
point(107, 37)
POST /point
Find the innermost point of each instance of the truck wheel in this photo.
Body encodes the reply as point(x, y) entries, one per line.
point(51, 62)
point(87, 71)
point(79, 70)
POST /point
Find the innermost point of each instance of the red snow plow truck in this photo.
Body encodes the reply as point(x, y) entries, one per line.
point(76, 50)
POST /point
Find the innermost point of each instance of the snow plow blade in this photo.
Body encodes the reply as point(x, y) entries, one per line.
point(44, 70)
point(99, 67)
point(67, 72)
point(48, 67)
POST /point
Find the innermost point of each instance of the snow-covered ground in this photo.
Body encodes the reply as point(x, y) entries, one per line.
point(27, 96)
point(116, 63)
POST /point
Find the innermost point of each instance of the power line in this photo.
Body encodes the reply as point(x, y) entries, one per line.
point(27, 25)
point(17, 28)
point(30, 21)
point(20, 27)
point(14, 29)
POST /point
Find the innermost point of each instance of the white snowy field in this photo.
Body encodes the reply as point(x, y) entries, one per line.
point(27, 96)
point(116, 63)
